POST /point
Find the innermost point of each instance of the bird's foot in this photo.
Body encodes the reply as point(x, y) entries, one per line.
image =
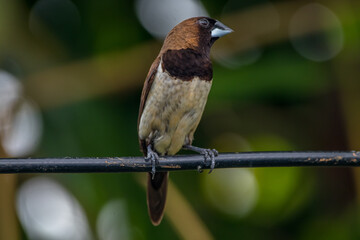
point(154, 158)
point(209, 155)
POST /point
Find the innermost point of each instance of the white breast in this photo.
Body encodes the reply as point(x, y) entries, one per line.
point(172, 111)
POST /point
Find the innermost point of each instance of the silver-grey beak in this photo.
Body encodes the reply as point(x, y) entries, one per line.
point(220, 30)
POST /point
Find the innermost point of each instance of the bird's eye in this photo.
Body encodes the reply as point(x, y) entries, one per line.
point(204, 22)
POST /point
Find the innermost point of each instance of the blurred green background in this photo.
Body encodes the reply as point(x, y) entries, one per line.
point(71, 74)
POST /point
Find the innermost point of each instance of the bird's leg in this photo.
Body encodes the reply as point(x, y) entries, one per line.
point(153, 157)
point(209, 154)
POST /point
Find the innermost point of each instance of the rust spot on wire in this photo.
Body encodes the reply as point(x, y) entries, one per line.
point(171, 166)
point(113, 163)
point(326, 159)
point(330, 159)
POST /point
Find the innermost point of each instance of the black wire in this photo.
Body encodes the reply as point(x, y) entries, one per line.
point(180, 162)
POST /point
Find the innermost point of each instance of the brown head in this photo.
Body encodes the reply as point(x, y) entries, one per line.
point(198, 33)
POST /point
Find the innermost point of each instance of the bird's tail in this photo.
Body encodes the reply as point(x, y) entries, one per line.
point(156, 195)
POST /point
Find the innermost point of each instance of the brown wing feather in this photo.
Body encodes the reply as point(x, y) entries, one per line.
point(144, 94)
point(157, 186)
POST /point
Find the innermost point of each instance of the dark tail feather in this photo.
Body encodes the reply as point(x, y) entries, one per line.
point(156, 196)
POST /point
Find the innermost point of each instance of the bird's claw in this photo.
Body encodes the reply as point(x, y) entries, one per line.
point(209, 155)
point(153, 157)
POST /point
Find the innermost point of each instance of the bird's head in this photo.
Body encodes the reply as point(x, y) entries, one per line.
point(198, 33)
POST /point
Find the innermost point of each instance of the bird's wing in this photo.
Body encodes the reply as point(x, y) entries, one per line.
point(144, 94)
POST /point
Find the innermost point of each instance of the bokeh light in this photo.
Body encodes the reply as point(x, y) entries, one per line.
point(113, 222)
point(231, 191)
point(48, 211)
point(24, 133)
point(319, 45)
point(160, 16)
point(20, 121)
point(10, 92)
point(246, 34)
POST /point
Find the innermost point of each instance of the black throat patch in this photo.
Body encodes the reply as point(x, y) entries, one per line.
point(185, 64)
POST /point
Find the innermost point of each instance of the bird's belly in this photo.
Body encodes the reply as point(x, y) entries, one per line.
point(172, 111)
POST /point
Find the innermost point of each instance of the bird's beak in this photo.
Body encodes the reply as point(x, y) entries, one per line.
point(220, 30)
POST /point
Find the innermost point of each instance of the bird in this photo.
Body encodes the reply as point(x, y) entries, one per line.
point(173, 99)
